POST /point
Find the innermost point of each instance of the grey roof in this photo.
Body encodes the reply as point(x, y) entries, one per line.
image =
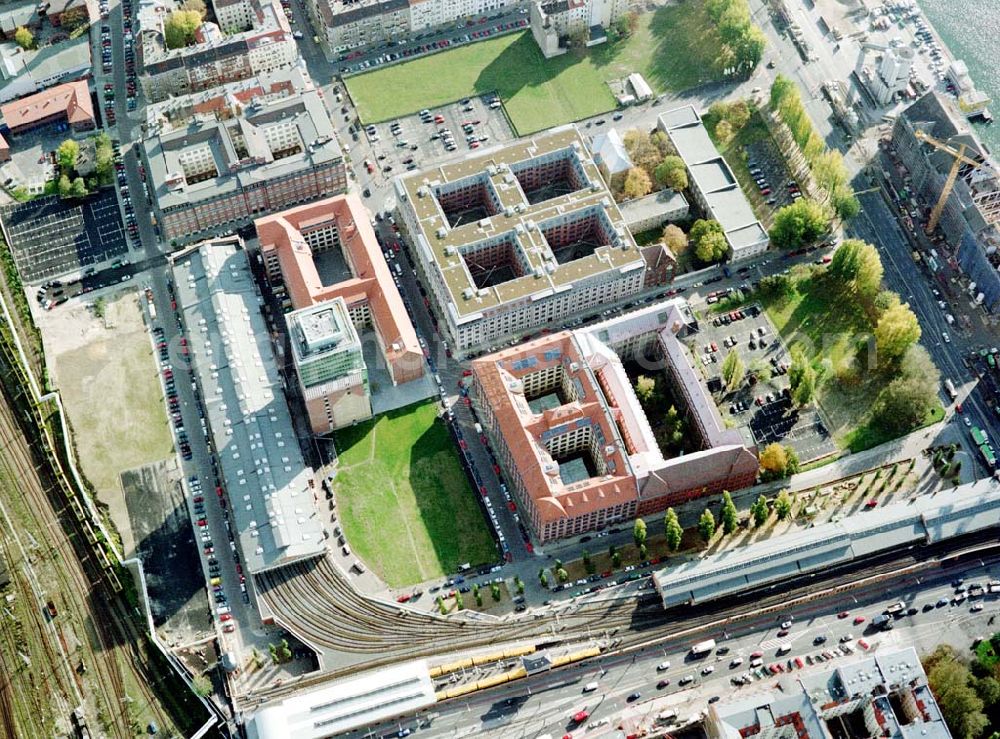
point(306, 111)
point(711, 176)
point(266, 479)
point(50, 62)
point(609, 150)
point(968, 508)
point(654, 204)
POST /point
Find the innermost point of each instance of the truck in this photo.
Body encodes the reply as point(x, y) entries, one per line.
point(896, 609)
point(703, 648)
point(950, 387)
point(882, 621)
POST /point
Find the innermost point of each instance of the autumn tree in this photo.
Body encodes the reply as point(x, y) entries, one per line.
point(675, 239)
point(896, 331)
point(777, 461)
point(24, 38)
point(179, 28)
point(637, 183)
point(783, 505)
point(68, 154)
point(724, 132)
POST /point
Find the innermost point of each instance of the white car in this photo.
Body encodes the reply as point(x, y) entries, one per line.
point(785, 625)
point(663, 666)
point(944, 335)
point(736, 662)
point(708, 670)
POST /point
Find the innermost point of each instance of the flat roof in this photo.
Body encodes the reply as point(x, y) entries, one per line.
point(321, 328)
point(267, 481)
point(968, 508)
point(440, 244)
point(343, 705)
point(235, 171)
point(654, 204)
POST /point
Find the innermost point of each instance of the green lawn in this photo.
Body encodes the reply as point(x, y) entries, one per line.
point(673, 48)
point(404, 500)
point(828, 328)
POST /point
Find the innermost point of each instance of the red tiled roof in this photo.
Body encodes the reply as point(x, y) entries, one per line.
point(372, 281)
point(73, 98)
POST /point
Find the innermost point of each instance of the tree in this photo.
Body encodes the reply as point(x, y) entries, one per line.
point(712, 247)
point(24, 38)
point(645, 387)
point(896, 331)
point(733, 370)
point(799, 224)
point(885, 300)
point(459, 601)
point(988, 689)
point(961, 707)
point(479, 596)
point(543, 578)
point(637, 183)
point(202, 685)
point(64, 186)
point(781, 89)
point(73, 19)
point(729, 516)
point(760, 511)
point(845, 204)
point(578, 38)
point(588, 563)
point(639, 532)
point(783, 505)
point(774, 460)
point(627, 24)
point(79, 188)
point(675, 239)
point(738, 114)
point(903, 404)
point(495, 591)
point(670, 432)
point(706, 526)
point(442, 609)
point(858, 266)
point(179, 28)
point(198, 6)
point(616, 560)
point(673, 529)
point(67, 155)
point(777, 287)
point(672, 173)
point(724, 132)
point(519, 585)
point(562, 575)
point(801, 378)
point(103, 156)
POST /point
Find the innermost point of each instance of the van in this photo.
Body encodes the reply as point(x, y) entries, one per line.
point(358, 567)
point(591, 687)
point(785, 648)
point(346, 550)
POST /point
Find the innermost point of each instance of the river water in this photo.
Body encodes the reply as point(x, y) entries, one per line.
point(971, 31)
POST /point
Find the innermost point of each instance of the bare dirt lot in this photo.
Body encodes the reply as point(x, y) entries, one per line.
point(106, 374)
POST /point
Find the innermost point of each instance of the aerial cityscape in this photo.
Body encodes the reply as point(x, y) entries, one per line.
point(528, 369)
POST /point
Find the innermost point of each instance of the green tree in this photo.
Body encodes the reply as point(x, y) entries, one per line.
point(459, 601)
point(543, 577)
point(479, 597)
point(588, 563)
point(709, 240)
point(903, 404)
point(760, 511)
point(706, 526)
point(799, 224)
point(637, 183)
point(64, 186)
point(179, 28)
point(733, 370)
point(801, 378)
point(645, 387)
point(495, 591)
point(988, 689)
point(79, 188)
point(672, 173)
point(845, 204)
point(729, 516)
point(858, 266)
point(103, 156)
point(24, 38)
point(781, 89)
point(518, 585)
point(639, 531)
point(961, 707)
point(673, 529)
point(675, 239)
point(783, 505)
point(643, 552)
point(885, 300)
point(202, 685)
point(67, 155)
point(440, 604)
point(562, 575)
point(896, 331)
point(724, 132)
point(616, 560)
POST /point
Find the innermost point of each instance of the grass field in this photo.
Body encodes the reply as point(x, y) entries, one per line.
point(827, 328)
point(673, 48)
point(404, 500)
point(112, 395)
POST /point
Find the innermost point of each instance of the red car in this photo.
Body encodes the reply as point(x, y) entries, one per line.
point(843, 614)
point(404, 598)
point(581, 716)
point(466, 373)
point(226, 617)
point(512, 506)
point(199, 499)
point(864, 645)
point(859, 620)
point(756, 655)
point(871, 503)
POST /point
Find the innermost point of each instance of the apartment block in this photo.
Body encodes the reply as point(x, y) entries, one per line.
point(346, 24)
point(293, 242)
point(329, 365)
point(554, 21)
point(517, 238)
point(573, 440)
point(216, 58)
point(713, 184)
point(211, 176)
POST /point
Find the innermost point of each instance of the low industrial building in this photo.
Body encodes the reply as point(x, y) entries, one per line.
point(575, 443)
point(884, 695)
point(517, 238)
point(290, 243)
point(654, 210)
point(713, 184)
point(27, 71)
point(924, 520)
point(217, 57)
point(217, 175)
point(69, 103)
point(272, 494)
point(972, 211)
point(351, 703)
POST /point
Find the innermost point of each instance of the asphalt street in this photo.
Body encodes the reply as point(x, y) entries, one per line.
point(545, 703)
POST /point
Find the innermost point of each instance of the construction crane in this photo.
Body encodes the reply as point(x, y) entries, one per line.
point(960, 159)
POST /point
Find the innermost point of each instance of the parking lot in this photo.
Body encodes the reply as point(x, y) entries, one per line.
point(761, 402)
point(50, 238)
point(772, 177)
point(416, 141)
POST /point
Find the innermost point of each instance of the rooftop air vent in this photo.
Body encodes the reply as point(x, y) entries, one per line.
point(449, 251)
point(530, 225)
point(442, 232)
point(467, 293)
point(508, 211)
point(484, 222)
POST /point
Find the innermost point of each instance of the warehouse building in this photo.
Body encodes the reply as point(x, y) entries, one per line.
point(713, 184)
point(575, 443)
point(517, 238)
point(271, 490)
point(218, 175)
